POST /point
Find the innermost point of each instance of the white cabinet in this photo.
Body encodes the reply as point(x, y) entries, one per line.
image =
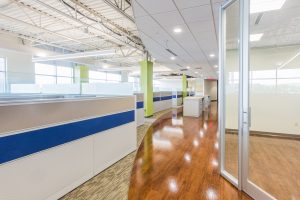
point(192, 106)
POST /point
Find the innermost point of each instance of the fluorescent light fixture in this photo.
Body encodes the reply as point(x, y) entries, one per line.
point(177, 30)
point(212, 55)
point(41, 54)
point(256, 37)
point(75, 55)
point(172, 57)
point(258, 6)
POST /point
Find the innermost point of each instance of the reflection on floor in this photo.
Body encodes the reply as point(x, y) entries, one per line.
point(112, 183)
point(274, 164)
point(178, 160)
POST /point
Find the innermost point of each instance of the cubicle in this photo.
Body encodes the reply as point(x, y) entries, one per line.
point(177, 98)
point(140, 108)
point(162, 100)
point(50, 146)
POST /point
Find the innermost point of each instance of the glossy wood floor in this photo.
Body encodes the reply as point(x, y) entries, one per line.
point(178, 160)
point(274, 164)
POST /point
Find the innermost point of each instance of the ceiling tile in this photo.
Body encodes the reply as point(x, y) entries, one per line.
point(138, 11)
point(169, 19)
point(157, 6)
point(200, 13)
point(181, 4)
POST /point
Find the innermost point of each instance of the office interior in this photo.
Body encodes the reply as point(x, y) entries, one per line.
point(137, 99)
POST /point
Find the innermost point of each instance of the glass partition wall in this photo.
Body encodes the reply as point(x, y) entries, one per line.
point(260, 95)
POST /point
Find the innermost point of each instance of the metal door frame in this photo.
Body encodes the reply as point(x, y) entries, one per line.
point(244, 116)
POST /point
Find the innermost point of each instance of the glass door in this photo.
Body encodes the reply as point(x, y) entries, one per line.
point(271, 96)
point(230, 91)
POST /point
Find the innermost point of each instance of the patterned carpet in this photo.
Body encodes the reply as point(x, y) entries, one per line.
point(112, 183)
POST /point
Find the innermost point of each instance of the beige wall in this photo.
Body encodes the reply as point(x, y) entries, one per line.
point(211, 89)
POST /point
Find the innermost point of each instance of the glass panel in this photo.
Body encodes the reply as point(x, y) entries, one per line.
point(2, 82)
point(113, 77)
point(231, 77)
point(45, 69)
point(274, 145)
point(97, 75)
point(64, 71)
point(2, 64)
point(41, 79)
point(64, 80)
point(97, 81)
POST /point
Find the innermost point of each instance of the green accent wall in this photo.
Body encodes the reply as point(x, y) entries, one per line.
point(184, 86)
point(147, 86)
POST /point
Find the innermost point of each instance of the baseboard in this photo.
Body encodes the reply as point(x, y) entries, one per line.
point(267, 134)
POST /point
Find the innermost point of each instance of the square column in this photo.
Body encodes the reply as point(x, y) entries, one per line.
point(146, 81)
point(184, 86)
point(81, 74)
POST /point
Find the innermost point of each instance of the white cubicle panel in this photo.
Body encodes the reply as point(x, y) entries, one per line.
point(177, 98)
point(61, 89)
point(122, 89)
point(140, 113)
point(162, 100)
point(47, 153)
point(25, 88)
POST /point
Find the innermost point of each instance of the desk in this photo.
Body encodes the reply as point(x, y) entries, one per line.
point(192, 106)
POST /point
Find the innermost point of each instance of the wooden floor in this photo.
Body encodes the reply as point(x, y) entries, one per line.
point(274, 164)
point(178, 159)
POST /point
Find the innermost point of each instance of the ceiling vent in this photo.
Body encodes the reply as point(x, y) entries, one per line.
point(171, 52)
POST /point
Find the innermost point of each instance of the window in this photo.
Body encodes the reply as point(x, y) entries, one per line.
point(102, 77)
point(135, 81)
point(113, 78)
point(51, 74)
point(97, 77)
point(2, 74)
point(64, 75)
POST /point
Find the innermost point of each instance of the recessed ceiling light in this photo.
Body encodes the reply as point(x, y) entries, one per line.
point(188, 67)
point(172, 57)
point(256, 37)
point(212, 55)
point(196, 72)
point(177, 30)
point(216, 66)
point(105, 67)
point(257, 6)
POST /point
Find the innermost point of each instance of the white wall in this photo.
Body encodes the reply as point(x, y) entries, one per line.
point(274, 108)
point(211, 89)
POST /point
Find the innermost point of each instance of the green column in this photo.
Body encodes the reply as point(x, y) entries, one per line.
point(84, 74)
point(147, 86)
point(184, 86)
point(81, 74)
